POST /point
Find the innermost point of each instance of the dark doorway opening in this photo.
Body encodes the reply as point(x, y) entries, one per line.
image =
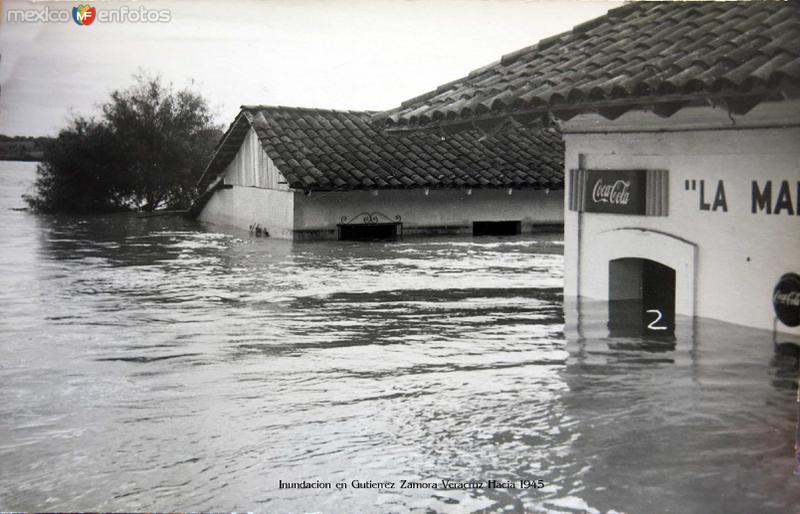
point(641, 298)
point(496, 228)
point(370, 232)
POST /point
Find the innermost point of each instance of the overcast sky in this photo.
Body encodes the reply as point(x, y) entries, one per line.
point(340, 54)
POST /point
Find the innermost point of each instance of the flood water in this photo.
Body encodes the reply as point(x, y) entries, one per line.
point(160, 364)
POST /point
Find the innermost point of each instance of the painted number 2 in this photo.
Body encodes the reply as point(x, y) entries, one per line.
point(652, 325)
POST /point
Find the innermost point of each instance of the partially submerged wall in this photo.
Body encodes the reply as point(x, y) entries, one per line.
point(440, 211)
point(250, 208)
point(727, 241)
point(253, 194)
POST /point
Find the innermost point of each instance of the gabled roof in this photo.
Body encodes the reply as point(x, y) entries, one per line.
point(658, 56)
point(317, 149)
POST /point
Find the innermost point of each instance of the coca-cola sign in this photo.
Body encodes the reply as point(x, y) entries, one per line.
point(786, 299)
point(615, 191)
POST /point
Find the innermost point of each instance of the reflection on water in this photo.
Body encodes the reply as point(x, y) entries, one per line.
point(797, 439)
point(703, 423)
point(156, 364)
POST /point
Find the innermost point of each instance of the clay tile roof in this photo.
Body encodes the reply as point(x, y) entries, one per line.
point(640, 55)
point(316, 149)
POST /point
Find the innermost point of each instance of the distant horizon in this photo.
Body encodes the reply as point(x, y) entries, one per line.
point(343, 55)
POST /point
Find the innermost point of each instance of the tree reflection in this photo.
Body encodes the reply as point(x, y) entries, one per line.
point(121, 239)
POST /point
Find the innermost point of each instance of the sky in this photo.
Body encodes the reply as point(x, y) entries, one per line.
point(336, 54)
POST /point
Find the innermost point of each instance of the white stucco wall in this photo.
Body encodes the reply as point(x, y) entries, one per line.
point(735, 257)
point(244, 207)
point(258, 196)
point(453, 209)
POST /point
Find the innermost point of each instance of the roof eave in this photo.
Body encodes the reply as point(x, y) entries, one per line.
point(737, 102)
point(220, 146)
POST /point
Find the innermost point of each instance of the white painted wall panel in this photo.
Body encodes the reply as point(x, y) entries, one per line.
point(241, 207)
point(253, 168)
point(740, 255)
point(452, 208)
point(257, 197)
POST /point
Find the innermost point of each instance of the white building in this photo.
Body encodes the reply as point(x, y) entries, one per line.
point(719, 208)
point(681, 124)
point(311, 173)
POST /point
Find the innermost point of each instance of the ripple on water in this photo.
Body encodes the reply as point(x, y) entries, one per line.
point(171, 366)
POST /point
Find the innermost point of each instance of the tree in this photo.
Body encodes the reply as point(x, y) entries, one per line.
point(145, 152)
point(77, 173)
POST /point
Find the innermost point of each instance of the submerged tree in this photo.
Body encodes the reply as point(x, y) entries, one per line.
point(78, 171)
point(145, 152)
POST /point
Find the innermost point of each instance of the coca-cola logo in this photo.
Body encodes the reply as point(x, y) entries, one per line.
point(786, 299)
point(616, 193)
point(790, 299)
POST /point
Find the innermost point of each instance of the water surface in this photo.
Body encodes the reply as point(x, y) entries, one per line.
point(160, 364)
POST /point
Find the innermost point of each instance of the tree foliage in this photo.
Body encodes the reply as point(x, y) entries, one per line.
point(146, 151)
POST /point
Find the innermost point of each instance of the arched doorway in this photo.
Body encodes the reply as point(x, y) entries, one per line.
point(641, 297)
